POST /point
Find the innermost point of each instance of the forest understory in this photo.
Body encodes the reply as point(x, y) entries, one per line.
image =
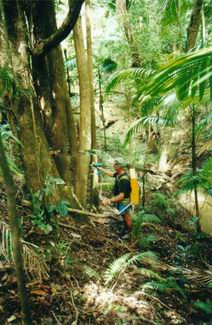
point(84, 273)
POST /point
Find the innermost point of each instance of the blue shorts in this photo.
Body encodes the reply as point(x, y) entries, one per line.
point(121, 206)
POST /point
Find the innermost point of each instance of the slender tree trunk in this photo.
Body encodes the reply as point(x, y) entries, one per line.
point(16, 244)
point(82, 167)
point(193, 28)
point(194, 163)
point(90, 72)
point(101, 109)
point(122, 12)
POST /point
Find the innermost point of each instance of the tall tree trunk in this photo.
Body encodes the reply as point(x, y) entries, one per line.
point(194, 163)
point(193, 28)
point(85, 115)
point(14, 225)
point(122, 12)
point(38, 163)
point(101, 108)
point(90, 73)
point(52, 90)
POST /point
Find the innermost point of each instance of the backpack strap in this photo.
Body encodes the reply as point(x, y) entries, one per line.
point(124, 176)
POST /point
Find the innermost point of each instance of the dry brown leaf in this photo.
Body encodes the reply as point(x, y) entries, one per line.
point(39, 292)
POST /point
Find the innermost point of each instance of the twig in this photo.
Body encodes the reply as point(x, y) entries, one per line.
point(162, 303)
point(57, 320)
point(84, 212)
point(77, 313)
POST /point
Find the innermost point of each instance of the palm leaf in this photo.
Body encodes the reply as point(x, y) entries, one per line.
point(172, 9)
point(137, 125)
point(34, 264)
point(124, 75)
point(183, 74)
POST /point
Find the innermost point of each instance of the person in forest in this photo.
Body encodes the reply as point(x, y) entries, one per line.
point(122, 189)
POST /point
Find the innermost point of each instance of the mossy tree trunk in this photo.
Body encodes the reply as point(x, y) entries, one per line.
point(50, 81)
point(29, 109)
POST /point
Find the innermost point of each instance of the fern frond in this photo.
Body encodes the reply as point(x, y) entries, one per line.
point(116, 267)
point(147, 273)
point(91, 273)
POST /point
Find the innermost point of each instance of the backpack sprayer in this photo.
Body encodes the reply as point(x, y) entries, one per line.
point(133, 179)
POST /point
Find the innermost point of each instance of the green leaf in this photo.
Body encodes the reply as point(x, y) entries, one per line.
point(204, 306)
point(62, 208)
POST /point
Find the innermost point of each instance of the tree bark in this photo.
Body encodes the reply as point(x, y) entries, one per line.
point(193, 28)
point(53, 92)
point(37, 161)
point(16, 243)
point(85, 115)
point(122, 12)
point(194, 163)
point(46, 45)
point(90, 73)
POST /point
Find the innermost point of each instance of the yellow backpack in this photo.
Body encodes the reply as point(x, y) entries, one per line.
point(133, 179)
point(134, 195)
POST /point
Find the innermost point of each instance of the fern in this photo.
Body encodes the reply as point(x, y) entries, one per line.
point(120, 264)
point(150, 218)
point(145, 241)
point(149, 274)
point(91, 273)
point(164, 285)
point(116, 267)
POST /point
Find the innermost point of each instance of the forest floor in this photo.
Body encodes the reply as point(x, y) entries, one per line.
point(76, 281)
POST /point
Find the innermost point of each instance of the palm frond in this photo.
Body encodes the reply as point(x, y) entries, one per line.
point(171, 10)
point(136, 126)
point(125, 75)
point(34, 264)
point(188, 75)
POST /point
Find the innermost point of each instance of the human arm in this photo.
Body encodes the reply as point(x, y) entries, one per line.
point(106, 171)
point(115, 199)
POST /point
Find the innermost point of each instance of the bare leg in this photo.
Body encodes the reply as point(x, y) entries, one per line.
point(128, 221)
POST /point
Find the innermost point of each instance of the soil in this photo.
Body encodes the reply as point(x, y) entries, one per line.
point(70, 283)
